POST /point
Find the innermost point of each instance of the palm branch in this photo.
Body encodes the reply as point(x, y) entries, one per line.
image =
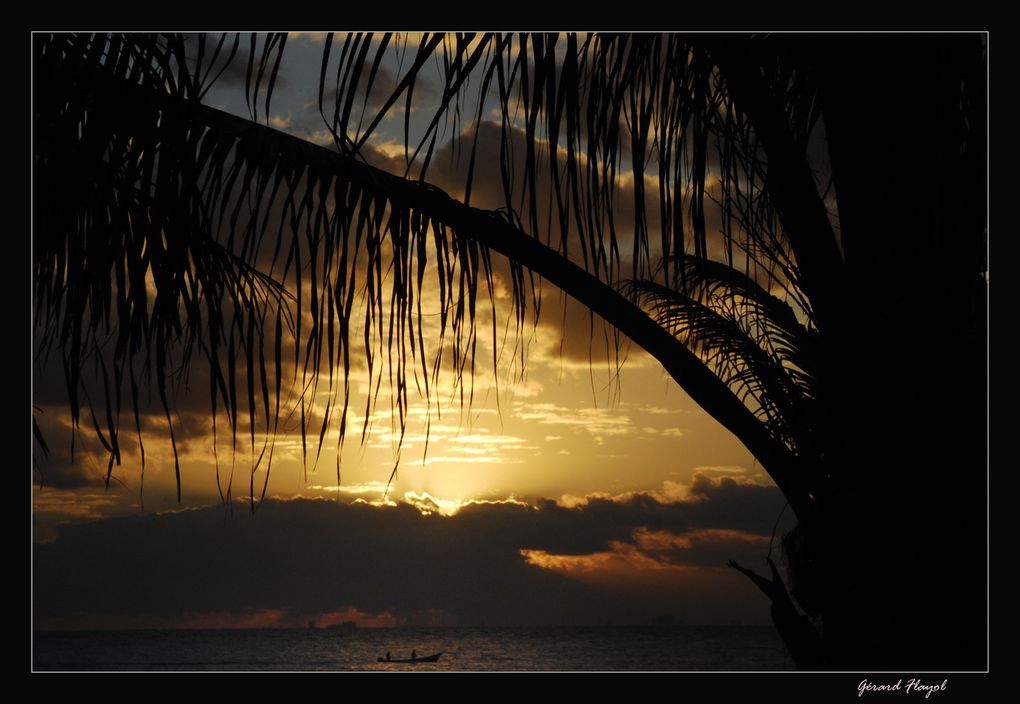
point(765, 361)
point(166, 228)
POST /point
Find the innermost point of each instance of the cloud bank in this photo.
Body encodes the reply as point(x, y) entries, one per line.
point(625, 559)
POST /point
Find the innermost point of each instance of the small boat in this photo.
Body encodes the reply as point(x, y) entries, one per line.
point(425, 658)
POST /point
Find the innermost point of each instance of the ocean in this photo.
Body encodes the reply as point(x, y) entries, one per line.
point(556, 649)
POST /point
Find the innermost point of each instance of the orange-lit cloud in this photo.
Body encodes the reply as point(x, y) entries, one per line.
point(648, 550)
point(621, 556)
point(356, 616)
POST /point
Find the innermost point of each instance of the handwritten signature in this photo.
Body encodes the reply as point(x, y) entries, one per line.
point(913, 686)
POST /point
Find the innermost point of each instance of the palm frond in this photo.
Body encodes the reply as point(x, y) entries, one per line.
point(129, 272)
point(751, 341)
point(172, 228)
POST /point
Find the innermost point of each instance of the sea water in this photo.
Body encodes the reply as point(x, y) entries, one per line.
point(610, 648)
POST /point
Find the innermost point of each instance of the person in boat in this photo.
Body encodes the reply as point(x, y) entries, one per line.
point(387, 655)
point(414, 654)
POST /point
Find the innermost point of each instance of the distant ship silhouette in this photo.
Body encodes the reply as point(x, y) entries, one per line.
point(345, 627)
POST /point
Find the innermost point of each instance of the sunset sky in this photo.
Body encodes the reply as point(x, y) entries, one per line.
point(582, 488)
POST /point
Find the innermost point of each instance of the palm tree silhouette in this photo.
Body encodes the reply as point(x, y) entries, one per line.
point(846, 352)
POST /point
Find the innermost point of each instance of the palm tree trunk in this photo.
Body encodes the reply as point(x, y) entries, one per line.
point(904, 529)
point(900, 544)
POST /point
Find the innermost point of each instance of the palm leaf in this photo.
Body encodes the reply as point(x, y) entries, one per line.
point(742, 350)
point(181, 196)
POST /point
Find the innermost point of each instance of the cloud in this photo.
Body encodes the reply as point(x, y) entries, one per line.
point(309, 556)
point(706, 504)
point(57, 471)
point(658, 550)
point(314, 37)
point(53, 506)
point(597, 422)
point(235, 73)
point(725, 469)
point(311, 121)
point(353, 489)
point(312, 557)
point(384, 83)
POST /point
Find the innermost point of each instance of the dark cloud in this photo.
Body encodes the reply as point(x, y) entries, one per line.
point(60, 473)
point(48, 384)
point(383, 85)
point(368, 100)
point(313, 557)
point(190, 411)
point(235, 73)
point(71, 460)
point(748, 507)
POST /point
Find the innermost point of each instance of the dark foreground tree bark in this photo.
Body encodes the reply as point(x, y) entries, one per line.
point(893, 558)
point(900, 546)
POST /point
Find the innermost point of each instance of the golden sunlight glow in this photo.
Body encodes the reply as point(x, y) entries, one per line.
point(429, 504)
